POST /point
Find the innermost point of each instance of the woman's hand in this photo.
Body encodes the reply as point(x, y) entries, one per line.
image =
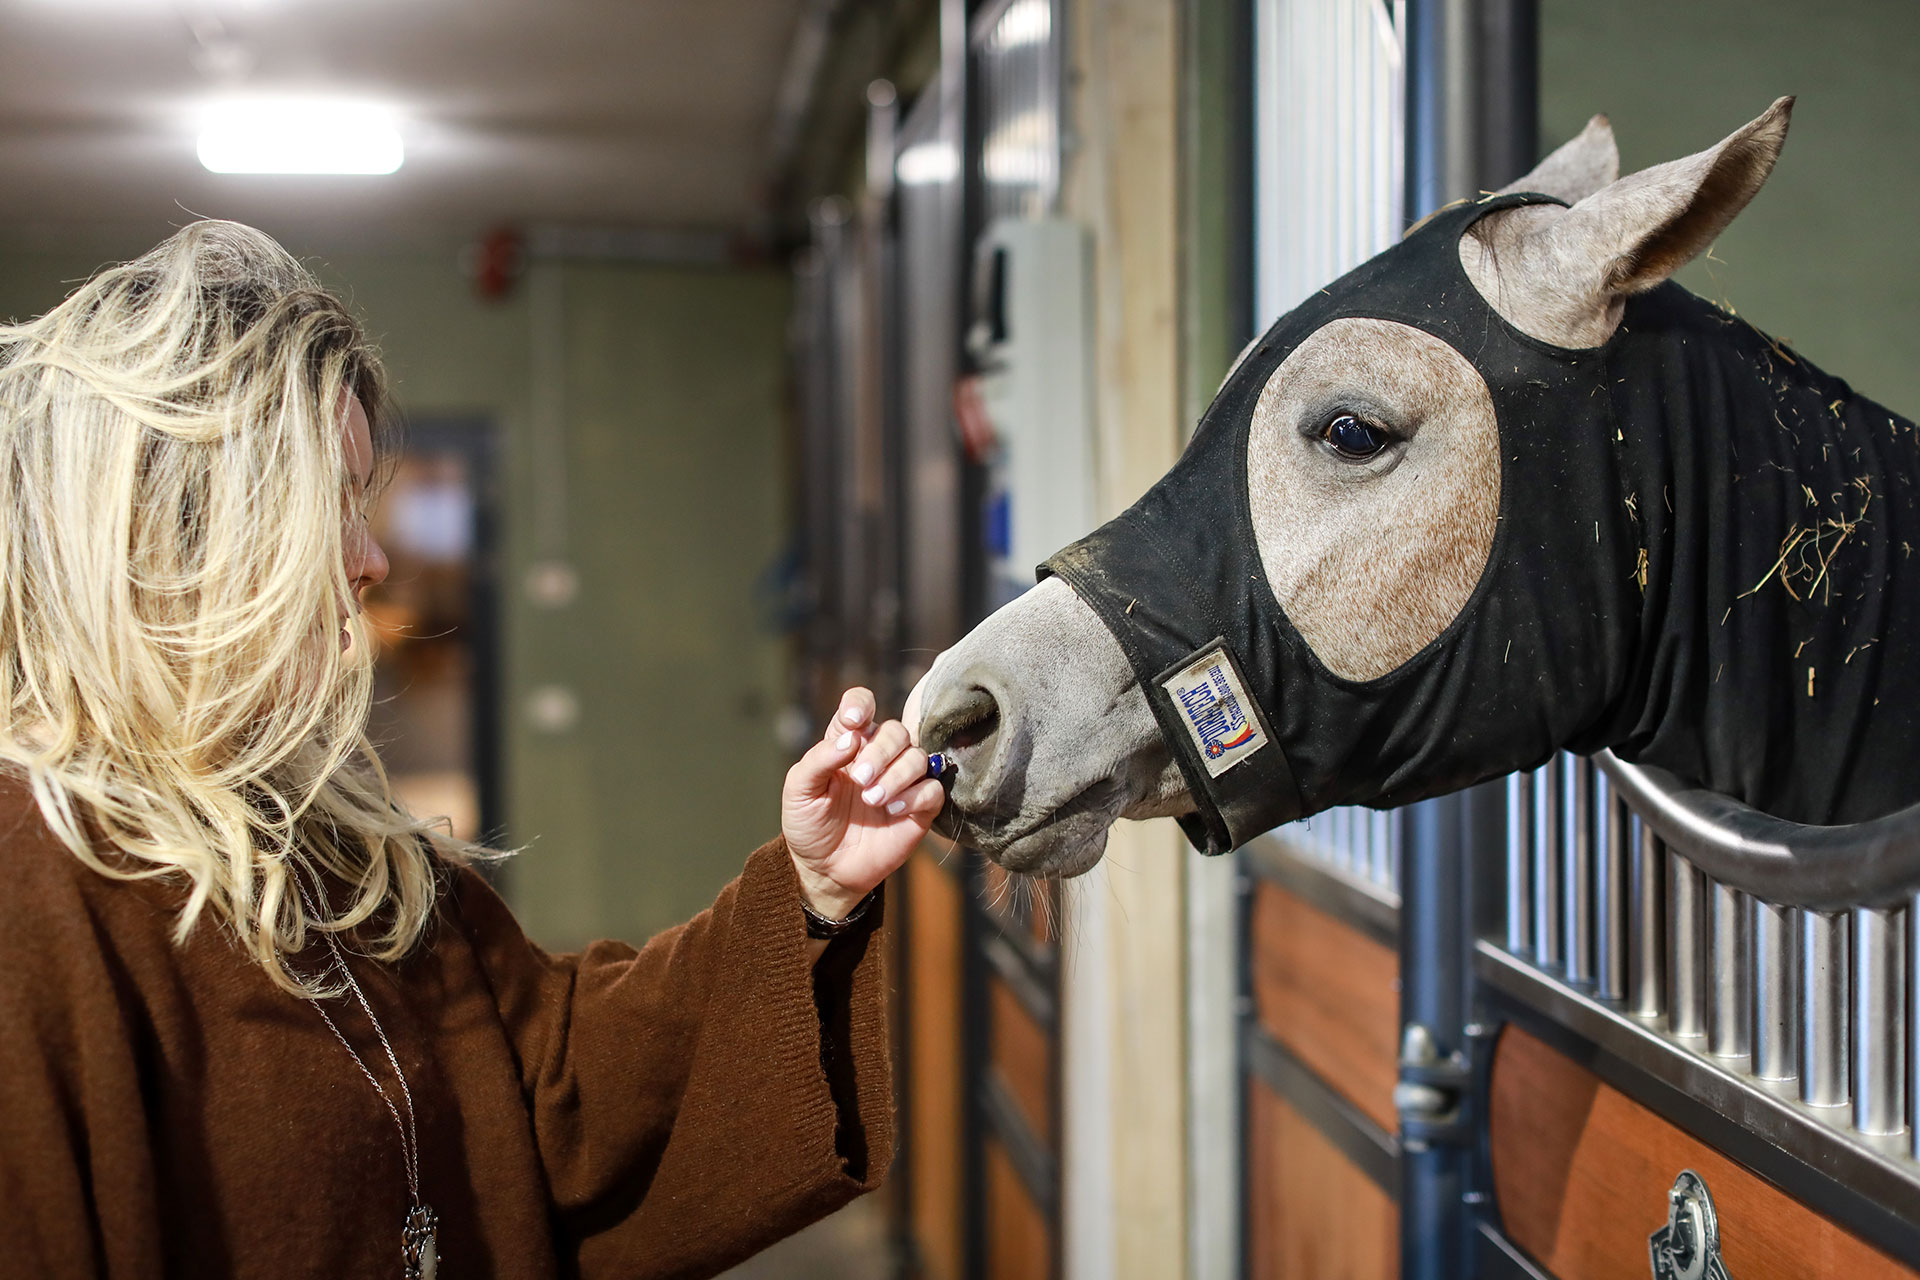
point(855, 806)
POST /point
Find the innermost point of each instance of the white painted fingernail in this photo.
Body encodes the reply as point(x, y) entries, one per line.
point(872, 795)
point(862, 773)
point(897, 808)
point(846, 740)
point(851, 715)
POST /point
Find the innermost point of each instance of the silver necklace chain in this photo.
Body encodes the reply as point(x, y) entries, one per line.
point(409, 1134)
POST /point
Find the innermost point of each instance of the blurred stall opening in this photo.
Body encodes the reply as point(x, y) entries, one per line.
point(434, 704)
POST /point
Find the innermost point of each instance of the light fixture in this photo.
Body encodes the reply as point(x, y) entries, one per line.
point(1024, 22)
point(928, 162)
point(300, 136)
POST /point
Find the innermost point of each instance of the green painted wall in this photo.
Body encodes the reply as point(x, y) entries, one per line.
point(673, 421)
point(1826, 257)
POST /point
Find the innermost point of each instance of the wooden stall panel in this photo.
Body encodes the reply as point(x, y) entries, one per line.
point(1311, 1214)
point(935, 1092)
point(1018, 1244)
point(1582, 1173)
point(1024, 1058)
point(1330, 994)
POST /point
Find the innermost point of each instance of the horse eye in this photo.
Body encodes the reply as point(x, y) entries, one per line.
point(1353, 439)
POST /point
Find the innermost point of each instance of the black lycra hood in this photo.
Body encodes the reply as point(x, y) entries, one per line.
point(1701, 560)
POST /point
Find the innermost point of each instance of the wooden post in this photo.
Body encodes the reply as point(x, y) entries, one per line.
point(1121, 180)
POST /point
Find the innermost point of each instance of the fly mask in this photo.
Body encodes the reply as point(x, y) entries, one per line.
point(1646, 486)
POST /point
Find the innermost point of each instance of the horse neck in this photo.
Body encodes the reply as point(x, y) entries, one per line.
point(1778, 509)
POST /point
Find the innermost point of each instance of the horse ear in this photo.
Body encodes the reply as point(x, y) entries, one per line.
point(1632, 234)
point(1579, 167)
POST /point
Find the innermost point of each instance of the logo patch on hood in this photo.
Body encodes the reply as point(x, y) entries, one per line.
point(1215, 708)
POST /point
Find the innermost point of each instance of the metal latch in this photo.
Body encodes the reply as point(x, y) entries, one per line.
point(1688, 1247)
point(1429, 1092)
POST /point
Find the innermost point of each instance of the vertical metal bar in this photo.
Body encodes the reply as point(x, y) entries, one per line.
point(1436, 941)
point(1547, 938)
point(1776, 991)
point(1382, 868)
point(1912, 1042)
point(1825, 973)
point(1395, 853)
point(1646, 923)
point(1879, 1019)
point(1910, 937)
point(1610, 890)
point(1687, 950)
point(1519, 864)
point(1730, 1023)
point(1577, 850)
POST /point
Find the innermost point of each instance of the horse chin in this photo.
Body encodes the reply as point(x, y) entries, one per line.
point(1064, 843)
point(1064, 848)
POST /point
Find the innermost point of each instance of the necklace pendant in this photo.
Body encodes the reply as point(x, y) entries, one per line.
point(418, 1248)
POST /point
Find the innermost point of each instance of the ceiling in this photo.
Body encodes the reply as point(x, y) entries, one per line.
point(624, 112)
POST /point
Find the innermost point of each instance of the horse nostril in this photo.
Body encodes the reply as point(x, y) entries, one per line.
point(959, 720)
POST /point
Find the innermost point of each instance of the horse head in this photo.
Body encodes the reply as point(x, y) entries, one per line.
point(1499, 491)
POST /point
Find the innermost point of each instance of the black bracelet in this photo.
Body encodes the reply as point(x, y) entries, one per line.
point(819, 926)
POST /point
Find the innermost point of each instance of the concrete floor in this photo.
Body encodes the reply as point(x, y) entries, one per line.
point(850, 1245)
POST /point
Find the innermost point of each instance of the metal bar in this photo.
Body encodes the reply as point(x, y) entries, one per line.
point(1647, 924)
point(1879, 1020)
point(1038, 1171)
point(1912, 1043)
point(1836, 868)
point(1436, 955)
point(1373, 1150)
point(1547, 937)
point(1612, 893)
point(1576, 849)
point(1776, 992)
point(1730, 1020)
point(1498, 1258)
point(1381, 873)
point(1825, 1013)
point(1519, 864)
point(1687, 948)
point(1033, 990)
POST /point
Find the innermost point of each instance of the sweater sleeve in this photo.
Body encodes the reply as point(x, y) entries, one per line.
point(699, 1098)
point(76, 1187)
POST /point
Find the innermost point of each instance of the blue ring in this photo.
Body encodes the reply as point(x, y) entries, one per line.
point(936, 764)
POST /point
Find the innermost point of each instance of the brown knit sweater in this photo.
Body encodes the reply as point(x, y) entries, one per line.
point(167, 1111)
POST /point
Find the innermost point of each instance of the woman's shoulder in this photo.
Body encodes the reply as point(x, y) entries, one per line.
point(48, 895)
point(30, 853)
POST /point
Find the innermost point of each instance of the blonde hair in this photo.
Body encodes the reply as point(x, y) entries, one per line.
point(173, 590)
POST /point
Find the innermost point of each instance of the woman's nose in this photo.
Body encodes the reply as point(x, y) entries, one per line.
point(373, 567)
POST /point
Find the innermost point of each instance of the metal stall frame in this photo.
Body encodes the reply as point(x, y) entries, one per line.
point(1683, 949)
point(1346, 865)
point(1728, 1012)
point(1008, 937)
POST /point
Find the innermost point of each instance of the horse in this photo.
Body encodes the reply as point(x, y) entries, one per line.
point(1502, 490)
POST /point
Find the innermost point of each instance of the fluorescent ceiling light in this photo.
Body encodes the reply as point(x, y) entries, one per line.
point(1024, 22)
point(313, 136)
point(927, 162)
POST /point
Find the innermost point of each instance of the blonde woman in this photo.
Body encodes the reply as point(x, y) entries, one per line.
point(258, 1020)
